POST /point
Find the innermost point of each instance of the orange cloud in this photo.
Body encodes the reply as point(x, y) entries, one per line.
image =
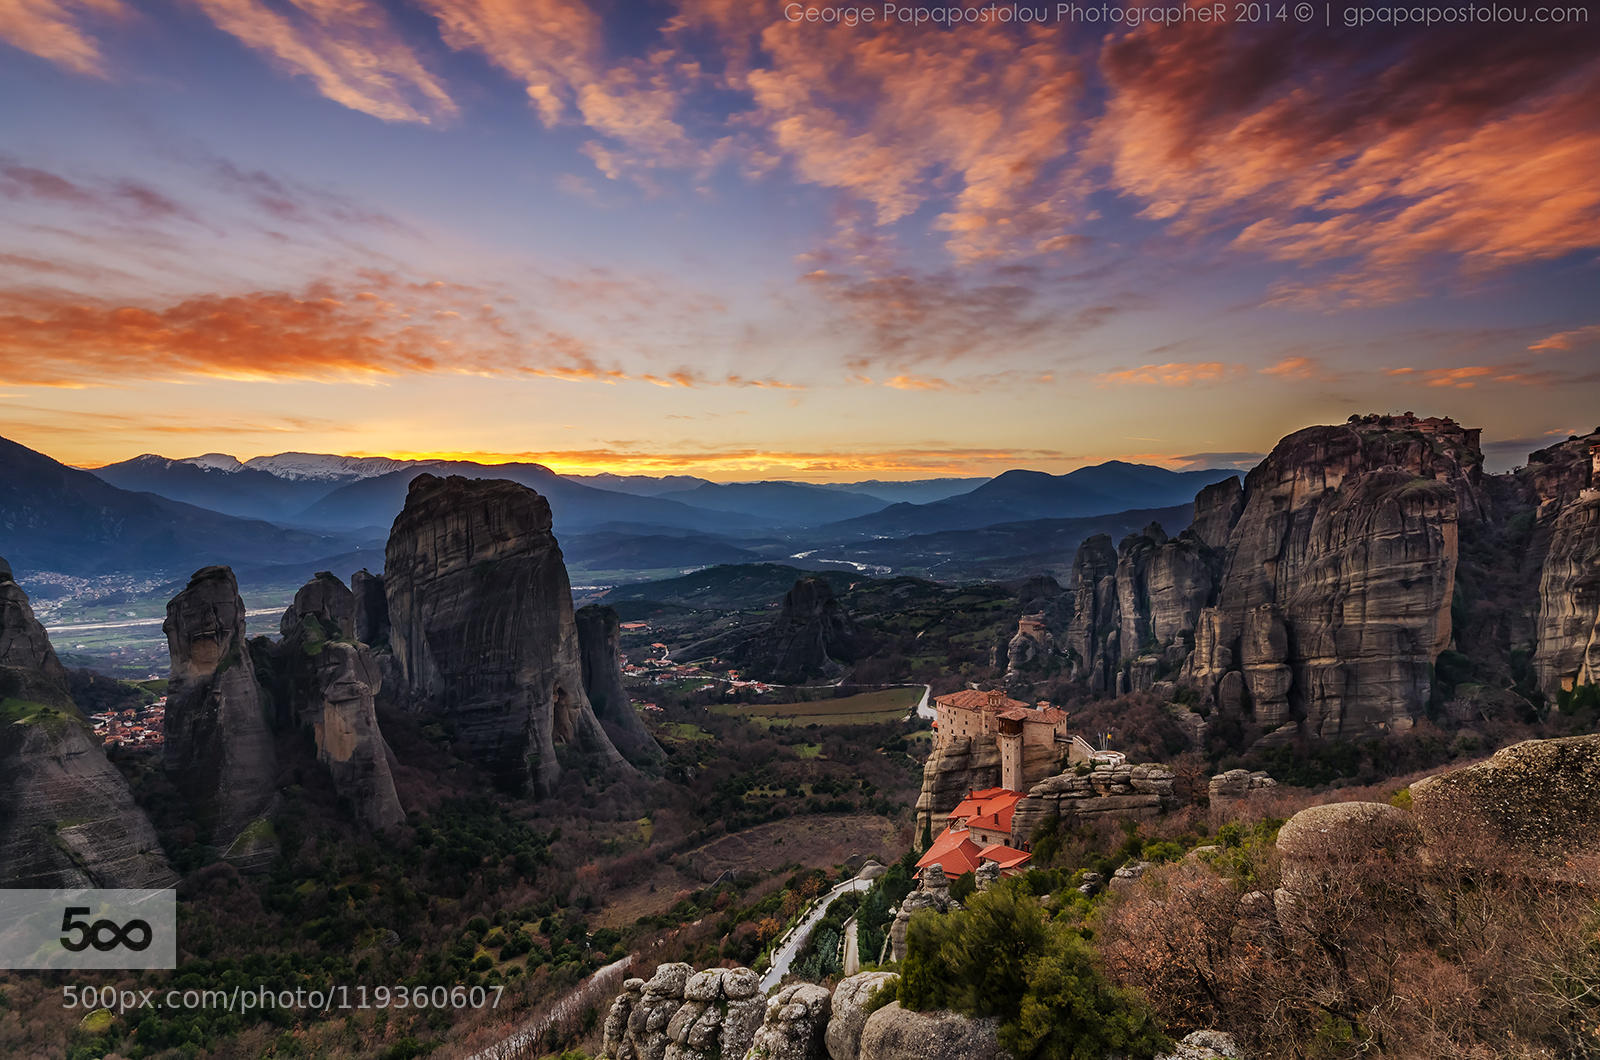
point(1315, 148)
point(1296, 368)
point(1562, 341)
point(1176, 373)
point(53, 30)
point(347, 48)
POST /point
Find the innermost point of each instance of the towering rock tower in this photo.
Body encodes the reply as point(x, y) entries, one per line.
point(482, 629)
point(219, 747)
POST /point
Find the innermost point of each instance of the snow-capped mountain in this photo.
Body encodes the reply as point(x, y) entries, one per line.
point(326, 467)
point(209, 461)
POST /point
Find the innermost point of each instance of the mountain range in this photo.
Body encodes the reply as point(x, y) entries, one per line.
point(157, 514)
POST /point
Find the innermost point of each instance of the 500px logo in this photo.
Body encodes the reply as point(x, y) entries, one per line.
point(88, 928)
point(103, 935)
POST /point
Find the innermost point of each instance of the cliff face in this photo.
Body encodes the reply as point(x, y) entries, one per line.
point(219, 747)
point(812, 638)
point(1335, 593)
point(960, 764)
point(1567, 650)
point(482, 628)
point(1135, 608)
point(598, 636)
point(67, 818)
point(334, 681)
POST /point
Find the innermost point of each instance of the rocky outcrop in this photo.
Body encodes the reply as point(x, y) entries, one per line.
point(482, 629)
point(1031, 642)
point(218, 746)
point(1238, 784)
point(812, 638)
point(1567, 645)
point(1135, 608)
point(598, 644)
point(29, 669)
point(849, 1012)
point(371, 608)
point(1539, 799)
point(67, 817)
point(334, 683)
point(1132, 792)
point(1323, 848)
point(960, 764)
point(894, 1033)
point(681, 1014)
point(1216, 510)
point(1335, 595)
point(932, 893)
point(1206, 1045)
point(794, 1027)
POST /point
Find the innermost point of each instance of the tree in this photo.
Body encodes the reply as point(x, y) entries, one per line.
point(1003, 957)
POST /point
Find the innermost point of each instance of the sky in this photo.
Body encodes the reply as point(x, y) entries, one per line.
point(713, 237)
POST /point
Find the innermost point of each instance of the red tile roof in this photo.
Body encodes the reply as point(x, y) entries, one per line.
point(1004, 856)
point(973, 699)
point(953, 851)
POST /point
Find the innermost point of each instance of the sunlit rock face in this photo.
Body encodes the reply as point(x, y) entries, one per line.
point(482, 629)
point(67, 817)
point(219, 747)
point(1334, 599)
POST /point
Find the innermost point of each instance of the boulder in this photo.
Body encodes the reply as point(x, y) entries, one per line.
point(681, 1014)
point(850, 1013)
point(894, 1033)
point(1206, 1045)
point(795, 1025)
point(1540, 798)
point(1321, 844)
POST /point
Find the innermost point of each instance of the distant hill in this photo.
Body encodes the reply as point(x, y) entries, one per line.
point(639, 485)
point(729, 588)
point(1020, 496)
point(912, 491)
point(609, 550)
point(58, 518)
point(1006, 551)
point(248, 492)
point(374, 502)
point(780, 503)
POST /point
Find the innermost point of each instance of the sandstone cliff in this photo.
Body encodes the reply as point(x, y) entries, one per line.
point(482, 629)
point(1567, 645)
point(219, 747)
point(813, 637)
point(598, 633)
point(334, 681)
point(960, 764)
point(67, 818)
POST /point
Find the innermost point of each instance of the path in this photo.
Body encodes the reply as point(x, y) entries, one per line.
point(795, 941)
point(524, 1040)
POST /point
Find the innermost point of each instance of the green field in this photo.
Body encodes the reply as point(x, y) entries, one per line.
point(865, 708)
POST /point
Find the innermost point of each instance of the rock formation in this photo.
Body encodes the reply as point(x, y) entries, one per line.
point(1540, 800)
point(1567, 645)
point(1320, 847)
point(795, 1025)
point(598, 636)
point(1117, 791)
point(933, 892)
point(1237, 784)
point(1206, 1045)
point(67, 817)
point(681, 1014)
point(372, 608)
point(849, 1012)
point(218, 746)
point(894, 1033)
point(334, 682)
point(482, 629)
point(813, 637)
point(1335, 594)
point(1216, 510)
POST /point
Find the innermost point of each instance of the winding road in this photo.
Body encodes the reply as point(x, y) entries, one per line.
point(783, 957)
